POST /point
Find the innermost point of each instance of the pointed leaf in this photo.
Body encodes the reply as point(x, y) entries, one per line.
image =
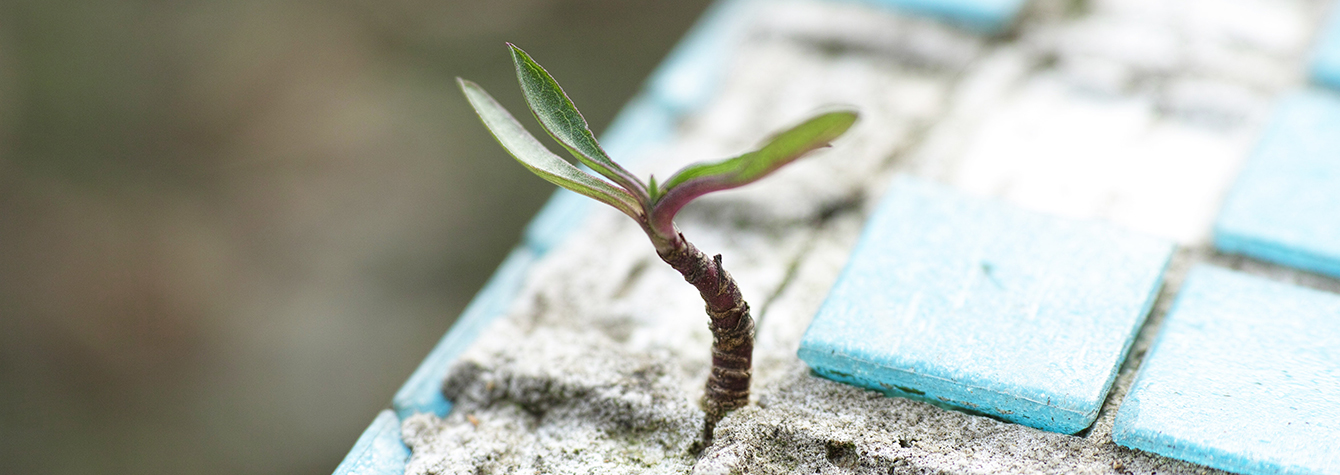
point(565, 123)
point(702, 178)
point(653, 190)
point(534, 156)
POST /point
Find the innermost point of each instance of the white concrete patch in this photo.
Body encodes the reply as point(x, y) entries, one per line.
point(1051, 149)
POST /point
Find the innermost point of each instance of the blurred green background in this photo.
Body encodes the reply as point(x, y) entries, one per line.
point(230, 229)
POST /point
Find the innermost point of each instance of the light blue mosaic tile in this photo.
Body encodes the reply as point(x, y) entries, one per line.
point(557, 219)
point(640, 125)
point(423, 391)
point(1244, 377)
point(982, 16)
point(378, 451)
point(975, 304)
point(692, 72)
point(1285, 206)
point(1326, 55)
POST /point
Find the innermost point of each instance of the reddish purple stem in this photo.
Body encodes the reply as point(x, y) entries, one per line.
point(732, 328)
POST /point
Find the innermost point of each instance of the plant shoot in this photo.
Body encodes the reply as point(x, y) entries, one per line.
point(653, 206)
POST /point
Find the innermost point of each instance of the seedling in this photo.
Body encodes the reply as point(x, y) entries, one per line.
point(654, 205)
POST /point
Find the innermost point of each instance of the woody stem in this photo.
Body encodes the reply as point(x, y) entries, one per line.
point(732, 329)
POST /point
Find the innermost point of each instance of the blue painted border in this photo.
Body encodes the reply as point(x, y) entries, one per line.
point(423, 391)
point(379, 450)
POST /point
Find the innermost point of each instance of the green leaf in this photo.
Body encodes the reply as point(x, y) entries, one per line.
point(538, 159)
point(702, 178)
point(565, 123)
point(653, 190)
point(784, 148)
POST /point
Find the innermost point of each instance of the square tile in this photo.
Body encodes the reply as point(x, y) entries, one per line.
point(979, 305)
point(983, 16)
point(1244, 377)
point(1326, 55)
point(1285, 205)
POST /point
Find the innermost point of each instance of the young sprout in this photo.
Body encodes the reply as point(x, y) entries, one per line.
point(654, 205)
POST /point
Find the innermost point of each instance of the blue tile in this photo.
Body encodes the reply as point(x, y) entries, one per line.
point(423, 391)
point(1326, 56)
point(978, 305)
point(1283, 207)
point(983, 16)
point(691, 74)
point(378, 451)
point(1244, 377)
point(640, 125)
point(559, 217)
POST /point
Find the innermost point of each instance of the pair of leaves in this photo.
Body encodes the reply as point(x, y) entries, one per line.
point(654, 205)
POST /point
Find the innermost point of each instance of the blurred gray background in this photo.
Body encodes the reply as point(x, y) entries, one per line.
point(230, 229)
